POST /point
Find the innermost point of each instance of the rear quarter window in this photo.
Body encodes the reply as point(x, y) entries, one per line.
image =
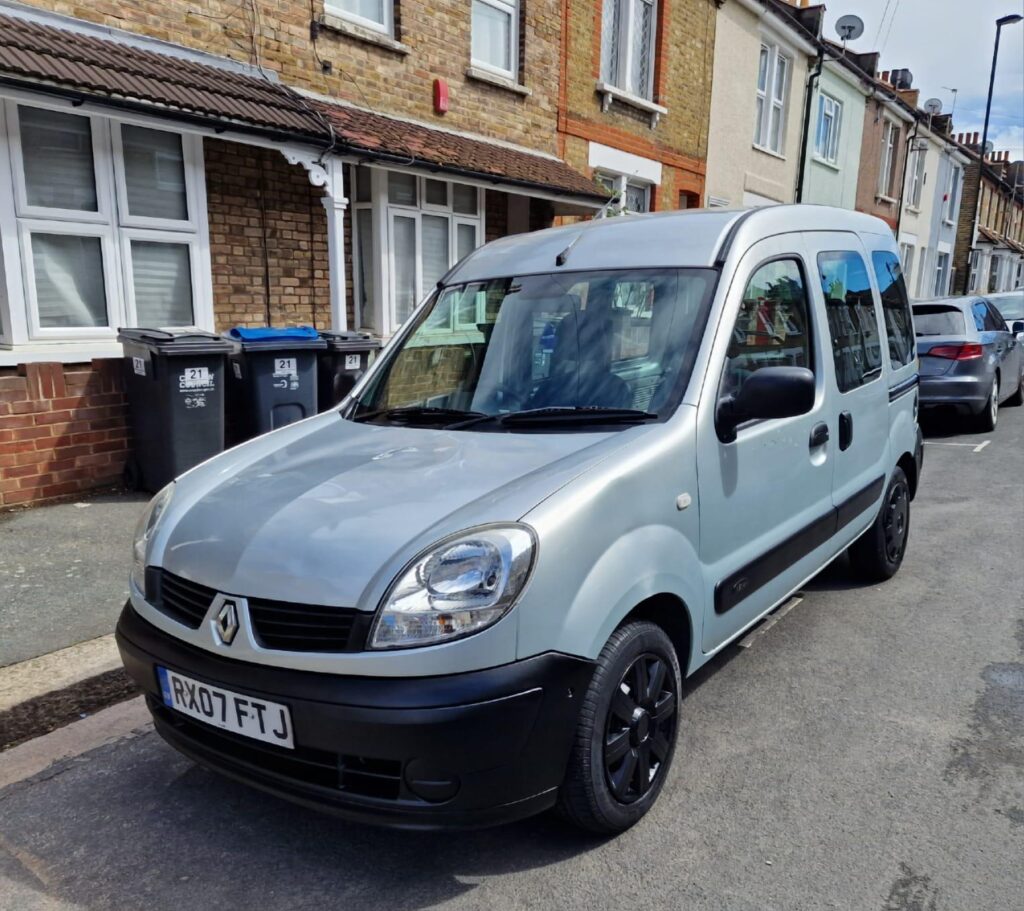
point(895, 308)
point(937, 320)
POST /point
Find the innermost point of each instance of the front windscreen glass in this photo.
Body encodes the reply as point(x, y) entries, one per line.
point(583, 346)
point(1011, 306)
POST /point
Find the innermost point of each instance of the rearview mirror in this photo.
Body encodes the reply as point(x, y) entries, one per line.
point(771, 392)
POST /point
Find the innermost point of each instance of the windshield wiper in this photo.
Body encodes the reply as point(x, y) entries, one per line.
point(420, 412)
point(569, 414)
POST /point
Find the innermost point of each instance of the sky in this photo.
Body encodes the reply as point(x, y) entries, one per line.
point(947, 44)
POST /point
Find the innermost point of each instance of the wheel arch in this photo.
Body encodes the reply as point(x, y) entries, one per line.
point(668, 611)
point(909, 465)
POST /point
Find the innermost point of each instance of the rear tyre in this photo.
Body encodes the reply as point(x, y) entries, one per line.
point(877, 554)
point(626, 735)
point(1017, 399)
point(989, 416)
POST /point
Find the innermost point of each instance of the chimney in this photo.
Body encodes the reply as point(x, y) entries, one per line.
point(902, 79)
point(974, 139)
point(885, 76)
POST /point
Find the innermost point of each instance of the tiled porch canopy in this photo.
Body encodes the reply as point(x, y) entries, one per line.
point(64, 61)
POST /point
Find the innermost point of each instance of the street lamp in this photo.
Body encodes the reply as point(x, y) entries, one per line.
point(1005, 20)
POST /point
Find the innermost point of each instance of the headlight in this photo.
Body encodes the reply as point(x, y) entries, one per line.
point(460, 586)
point(144, 531)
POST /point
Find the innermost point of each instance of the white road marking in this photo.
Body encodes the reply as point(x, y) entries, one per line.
point(981, 446)
point(751, 637)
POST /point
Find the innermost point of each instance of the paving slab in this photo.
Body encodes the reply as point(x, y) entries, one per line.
point(63, 572)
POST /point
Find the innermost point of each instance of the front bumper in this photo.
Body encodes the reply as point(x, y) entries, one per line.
point(459, 751)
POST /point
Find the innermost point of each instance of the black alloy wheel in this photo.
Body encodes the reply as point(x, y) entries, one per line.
point(640, 728)
point(896, 522)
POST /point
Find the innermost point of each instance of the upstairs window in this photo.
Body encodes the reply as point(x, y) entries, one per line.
point(373, 14)
point(952, 199)
point(887, 171)
point(627, 45)
point(917, 178)
point(496, 36)
point(772, 98)
point(830, 117)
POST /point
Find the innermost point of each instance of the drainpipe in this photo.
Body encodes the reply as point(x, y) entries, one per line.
point(903, 178)
point(811, 80)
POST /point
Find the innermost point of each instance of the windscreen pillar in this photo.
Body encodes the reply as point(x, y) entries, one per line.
point(329, 175)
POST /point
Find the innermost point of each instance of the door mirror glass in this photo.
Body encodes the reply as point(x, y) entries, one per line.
point(1018, 326)
point(771, 392)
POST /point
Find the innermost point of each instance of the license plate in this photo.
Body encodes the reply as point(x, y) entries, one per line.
point(259, 719)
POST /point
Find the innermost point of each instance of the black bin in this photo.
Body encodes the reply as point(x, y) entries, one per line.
point(346, 359)
point(272, 380)
point(175, 387)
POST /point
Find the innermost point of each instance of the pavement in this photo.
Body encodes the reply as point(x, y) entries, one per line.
point(866, 751)
point(63, 572)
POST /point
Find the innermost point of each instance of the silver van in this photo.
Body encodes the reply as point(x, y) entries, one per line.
point(592, 458)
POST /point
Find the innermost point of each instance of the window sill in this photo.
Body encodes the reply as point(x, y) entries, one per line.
point(610, 92)
point(501, 82)
point(361, 33)
point(913, 210)
point(825, 163)
point(768, 151)
point(881, 197)
point(59, 352)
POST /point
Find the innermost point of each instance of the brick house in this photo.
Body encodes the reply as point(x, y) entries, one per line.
point(632, 107)
point(162, 166)
point(990, 259)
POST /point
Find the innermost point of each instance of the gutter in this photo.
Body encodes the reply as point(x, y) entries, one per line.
point(812, 78)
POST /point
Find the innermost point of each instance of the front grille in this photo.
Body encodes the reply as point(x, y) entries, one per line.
point(277, 625)
point(183, 600)
point(307, 627)
point(360, 775)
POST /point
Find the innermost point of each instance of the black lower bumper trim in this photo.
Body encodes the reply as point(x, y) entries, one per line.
point(462, 750)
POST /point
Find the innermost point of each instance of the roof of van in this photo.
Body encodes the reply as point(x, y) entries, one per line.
point(690, 237)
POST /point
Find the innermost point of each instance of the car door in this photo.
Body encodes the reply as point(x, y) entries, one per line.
point(856, 375)
point(1007, 350)
point(764, 498)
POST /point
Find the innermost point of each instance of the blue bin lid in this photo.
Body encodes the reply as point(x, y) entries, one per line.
point(273, 333)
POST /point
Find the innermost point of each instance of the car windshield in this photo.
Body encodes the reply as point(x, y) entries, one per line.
point(580, 347)
point(1011, 306)
point(937, 320)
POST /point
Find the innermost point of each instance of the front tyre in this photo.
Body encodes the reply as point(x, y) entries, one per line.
point(626, 733)
point(878, 553)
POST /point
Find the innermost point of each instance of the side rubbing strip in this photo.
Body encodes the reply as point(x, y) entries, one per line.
point(901, 389)
point(758, 573)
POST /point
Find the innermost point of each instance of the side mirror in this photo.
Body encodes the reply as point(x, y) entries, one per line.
point(1017, 327)
point(771, 392)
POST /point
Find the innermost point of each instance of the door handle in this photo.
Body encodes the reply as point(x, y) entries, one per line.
point(819, 435)
point(845, 430)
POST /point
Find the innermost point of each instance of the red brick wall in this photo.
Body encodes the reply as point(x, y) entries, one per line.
point(268, 233)
point(63, 429)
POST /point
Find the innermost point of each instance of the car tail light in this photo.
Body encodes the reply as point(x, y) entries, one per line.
point(965, 352)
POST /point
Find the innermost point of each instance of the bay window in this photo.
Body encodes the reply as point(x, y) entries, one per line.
point(110, 221)
point(495, 38)
point(409, 230)
point(772, 98)
point(628, 29)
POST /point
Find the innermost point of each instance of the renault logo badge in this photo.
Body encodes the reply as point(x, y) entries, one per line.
point(226, 622)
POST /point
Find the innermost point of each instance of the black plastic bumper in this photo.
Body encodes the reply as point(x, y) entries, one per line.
point(459, 751)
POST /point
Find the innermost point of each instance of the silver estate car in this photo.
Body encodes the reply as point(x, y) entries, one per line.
point(969, 357)
point(589, 460)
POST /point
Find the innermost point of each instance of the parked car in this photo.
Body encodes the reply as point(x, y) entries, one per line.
point(969, 358)
point(591, 459)
point(1011, 305)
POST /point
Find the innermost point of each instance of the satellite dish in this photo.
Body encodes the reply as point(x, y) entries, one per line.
point(989, 147)
point(850, 27)
point(933, 106)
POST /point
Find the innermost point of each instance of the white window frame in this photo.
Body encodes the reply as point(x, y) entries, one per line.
point(907, 261)
point(385, 27)
point(511, 8)
point(954, 187)
point(622, 36)
point(918, 179)
point(18, 221)
point(974, 269)
point(771, 105)
point(618, 183)
point(832, 108)
point(941, 274)
point(890, 152)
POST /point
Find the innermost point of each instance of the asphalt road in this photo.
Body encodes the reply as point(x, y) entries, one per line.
point(866, 752)
point(64, 572)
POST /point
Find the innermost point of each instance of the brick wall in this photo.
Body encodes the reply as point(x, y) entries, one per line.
point(964, 228)
point(436, 34)
point(63, 429)
point(684, 58)
point(268, 239)
point(871, 163)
